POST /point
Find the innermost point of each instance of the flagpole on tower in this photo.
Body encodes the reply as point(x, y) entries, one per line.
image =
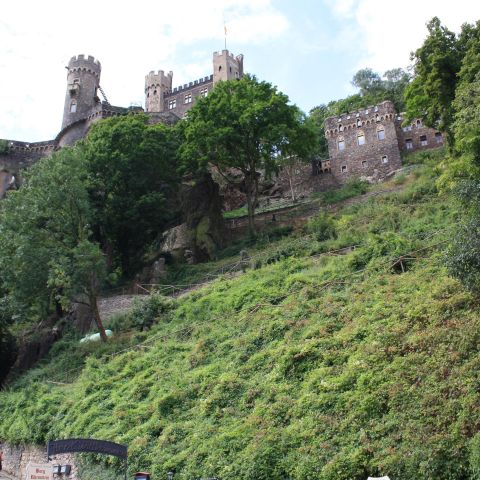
point(225, 32)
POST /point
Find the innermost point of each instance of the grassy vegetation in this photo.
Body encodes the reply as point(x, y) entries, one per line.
point(310, 366)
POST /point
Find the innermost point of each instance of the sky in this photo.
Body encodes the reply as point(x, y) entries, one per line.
point(309, 49)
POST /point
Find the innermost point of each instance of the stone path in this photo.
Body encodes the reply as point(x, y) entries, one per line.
point(109, 306)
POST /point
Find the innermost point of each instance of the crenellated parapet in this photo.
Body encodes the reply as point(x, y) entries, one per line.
point(87, 65)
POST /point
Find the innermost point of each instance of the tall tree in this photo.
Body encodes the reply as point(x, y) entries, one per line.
point(432, 90)
point(46, 251)
point(133, 184)
point(244, 124)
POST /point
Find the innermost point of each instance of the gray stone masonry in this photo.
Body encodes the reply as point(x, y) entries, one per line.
point(367, 143)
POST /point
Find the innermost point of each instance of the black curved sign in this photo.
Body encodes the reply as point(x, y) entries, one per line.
point(71, 445)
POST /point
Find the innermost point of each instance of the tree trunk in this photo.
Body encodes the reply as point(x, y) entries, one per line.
point(96, 315)
point(251, 200)
point(290, 182)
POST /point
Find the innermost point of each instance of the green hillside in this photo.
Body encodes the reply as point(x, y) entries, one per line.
point(308, 366)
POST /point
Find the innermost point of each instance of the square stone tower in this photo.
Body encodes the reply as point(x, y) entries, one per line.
point(226, 66)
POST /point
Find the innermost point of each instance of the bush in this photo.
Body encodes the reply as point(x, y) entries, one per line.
point(352, 188)
point(322, 227)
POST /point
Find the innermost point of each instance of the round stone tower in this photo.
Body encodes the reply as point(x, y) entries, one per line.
point(83, 81)
point(156, 86)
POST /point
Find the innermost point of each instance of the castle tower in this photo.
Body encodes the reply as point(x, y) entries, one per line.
point(156, 86)
point(83, 80)
point(226, 66)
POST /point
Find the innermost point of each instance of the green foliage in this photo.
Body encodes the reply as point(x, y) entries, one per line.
point(46, 252)
point(245, 124)
point(301, 369)
point(3, 147)
point(322, 227)
point(352, 188)
point(437, 64)
point(132, 183)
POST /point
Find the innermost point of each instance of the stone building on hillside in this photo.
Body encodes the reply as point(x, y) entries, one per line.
point(368, 143)
point(83, 106)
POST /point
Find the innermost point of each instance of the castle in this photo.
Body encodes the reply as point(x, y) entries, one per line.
point(366, 143)
point(83, 106)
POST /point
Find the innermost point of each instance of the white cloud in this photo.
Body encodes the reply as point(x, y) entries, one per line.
point(130, 38)
point(388, 31)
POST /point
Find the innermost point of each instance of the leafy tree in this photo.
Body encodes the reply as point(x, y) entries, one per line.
point(318, 115)
point(244, 124)
point(368, 82)
point(133, 183)
point(46, 252)
point(436, 65)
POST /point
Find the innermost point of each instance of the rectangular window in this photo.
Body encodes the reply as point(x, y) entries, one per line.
point(364, 163)
point(409, 144)
point(408, 128)
point(188, 98)
point(384, 159)
point(381, 134)
point(438, 137)
point(361, 139)
point(172, 104)
point(344, 169)
point(341, 144)
point(423, 140)
point(204, 92)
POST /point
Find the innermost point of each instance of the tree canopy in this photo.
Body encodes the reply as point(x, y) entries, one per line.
point(133, 181)
point(245, 124)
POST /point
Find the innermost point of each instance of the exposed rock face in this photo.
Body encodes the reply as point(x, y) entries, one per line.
point(175, 241)
point(202, 210)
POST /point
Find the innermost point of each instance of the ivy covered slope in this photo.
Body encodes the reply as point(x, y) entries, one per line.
point(309, 367)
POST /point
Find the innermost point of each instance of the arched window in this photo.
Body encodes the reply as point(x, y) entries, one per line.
point(341, 143)
point(384, 159)
point(360, 138)
point(359, 122)
point(73, 106)
point(380, 132)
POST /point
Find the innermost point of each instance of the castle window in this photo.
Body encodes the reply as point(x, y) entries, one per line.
point(188, 98)
point(341, 143)
point(419, 123)
point(73, 106)
point(375, 109)
point(172, 104)
point(76, 80)
point(380, 133)
point(384, 159)
point(408, 128)
point(409, 144)
point(344, 169)
point(219, 68)
point(204, 92)
point(360, 138)
point(340, 128)
point(364, 164)
point(423, 140)
point(377, 117)
point(439, 137)
point(366, 112)
point(154, 92)
point(359, 122)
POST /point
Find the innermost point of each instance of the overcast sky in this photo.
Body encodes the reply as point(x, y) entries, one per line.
point(309, 49)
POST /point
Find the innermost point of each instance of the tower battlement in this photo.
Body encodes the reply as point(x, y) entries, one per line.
point(90, 64)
